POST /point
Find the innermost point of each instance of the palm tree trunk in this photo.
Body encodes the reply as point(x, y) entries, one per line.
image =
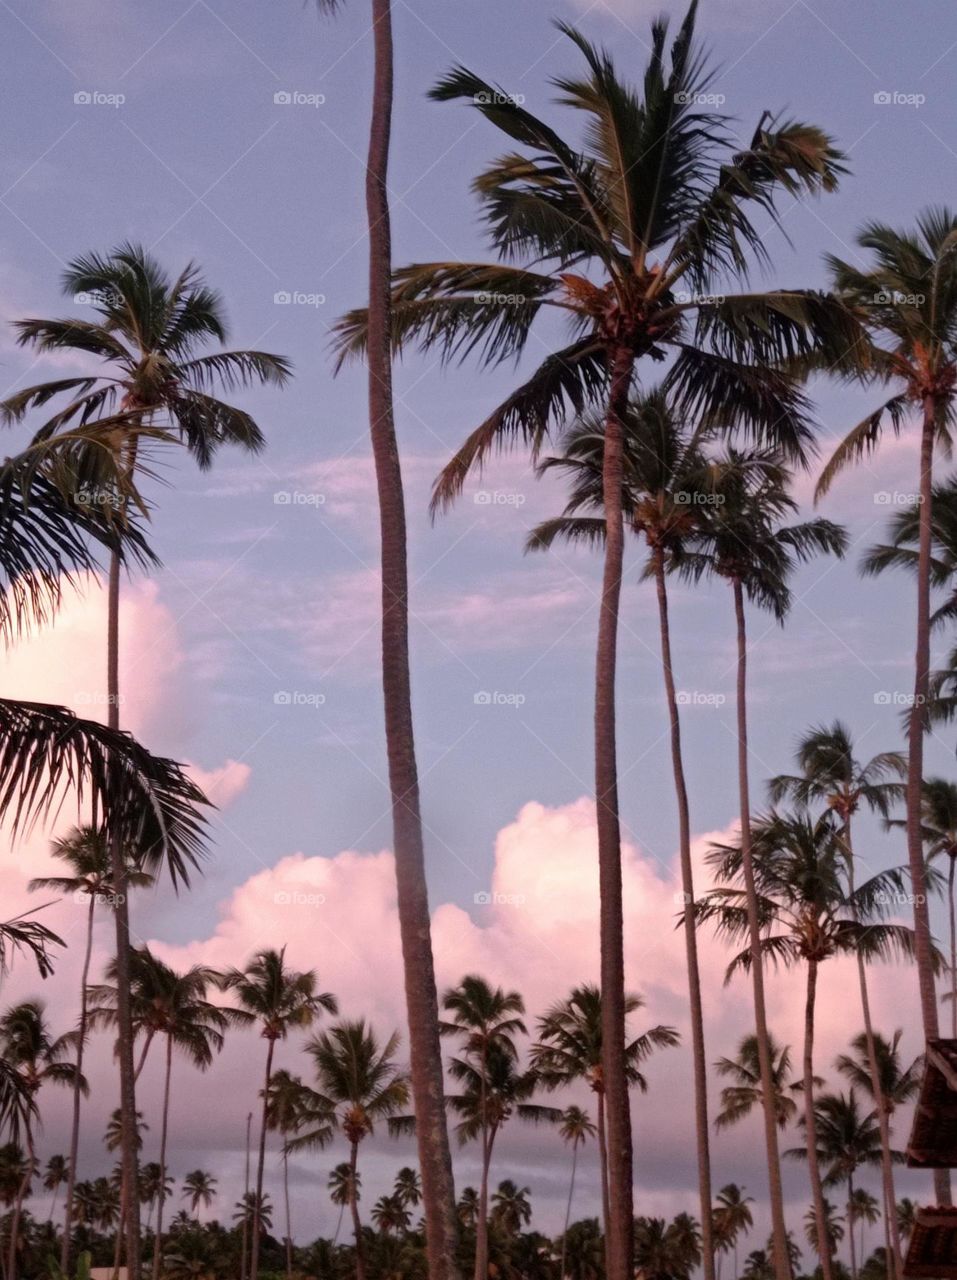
point(568, 1207)
point(603, 1161)
point(895, 1256)
point(699, 1057)
point(142, 1062)
point(435, 1160)
point(285, 1188)
point(481, 1226)
point(77, 1095)
point(850, 1228)
point(782, 1260)
point(245, 1246)
point(260, 1166)
point(953, 946)
point(810, 1125)
point(158, 1242)
point(618, 1240)
point(124, 1015)
point(923, 943)
point(354, 1209)
point(22, 1189)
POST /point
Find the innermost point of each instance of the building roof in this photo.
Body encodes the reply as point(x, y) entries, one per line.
point(933, 1139)
point(932, 1252)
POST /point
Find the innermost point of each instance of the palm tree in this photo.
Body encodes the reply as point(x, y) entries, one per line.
point(740, 1098)
point(832, 1236)
point(742, 539)
point(732, 1218)
point(254, 1211)
point(488, 1019)
point(85, 851)
point(37, 1058)
point(574, 1128)
point(285, 1098)
point(390, 1214)
point(906, 1217)
point(361, 1084)
point(569, 1048)
point(865, 1209)
point(846, 1140)
point(662, 1250)
point(54, 1176)
point(511, 1207)
point(154, 1183)
point(199, 1188)
point(468, 1207)
point(907, 298)
point(831, 775)
point(277, 1000)
point(344, 1183)
point(631, 206)
point(149, 333)
point(408, 1187)
point(807, 915)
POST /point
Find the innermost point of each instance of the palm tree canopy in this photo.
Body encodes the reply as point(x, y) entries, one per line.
point(847, 1138)
point(830, 774)
point(358, 1076)
point(277, 998)
point(492, 1091)
point(86, 852)
point(739, 1098)
point(484, 1015)
point(898, 1084)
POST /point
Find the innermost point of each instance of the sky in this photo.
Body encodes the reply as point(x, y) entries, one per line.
point(233, 135)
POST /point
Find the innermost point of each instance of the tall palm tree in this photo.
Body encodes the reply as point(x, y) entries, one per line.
point(467, 1207)
point(38, 1058)
point(511, 1207)
point(807, 915)
point(732, 1219)
point(85, 851)
point(285, 1097)
point(830, 774)
point(862, 1208)
point(408, 1187)
point(344, 1184)
point(906, 1217)
point(361, 1084)
point(569, 1048)
point(574, 1128)
point(739, 1098)
point(655, 205)
point(277, 1000)
point(487, 1019)
point(743, 540)
point(149, 333)
point(846, 1139)
point(390, 1214)
point(199, 1188)
point(833, 1233)
point(907, 299)
point(54, 1176)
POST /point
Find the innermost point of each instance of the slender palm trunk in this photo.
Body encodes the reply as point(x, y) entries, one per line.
point(481, 1227)
point(260, 1166)
point(22, 1191)
point(810, 1125)
point(435, 1160)
point(850, 1227)
point(245, 1248)
point(285, 1189)
point(342, 1209)
point(124, 1014)
point(161, 1198)
point(699, 1057)
point(923, 944)
point(568, 1207)
point(782, 1261)
point(603, 1161)
point(895, 1264)
point(354, 1210)
point(952, 911)
point(77, 1094)
point(142, 1062)
point(620, 1227)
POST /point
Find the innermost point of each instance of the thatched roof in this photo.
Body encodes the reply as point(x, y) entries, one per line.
point(932, 1252)
point(933, 1139)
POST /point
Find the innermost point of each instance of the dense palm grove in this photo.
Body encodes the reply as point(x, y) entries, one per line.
point(638, 232)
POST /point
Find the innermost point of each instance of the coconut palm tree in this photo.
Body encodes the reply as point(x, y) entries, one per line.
point(511, 1207)
point(833, 1232)
point(286, 1104)
point(569, 1048)
point(906, 1217)
point(361, 1084)
point(807, 914)
point(831, 775)
point(574, 1128)
point(149, 333)
point(38, 1058)
point(277, 1000)
point(408, 1187)
point(907, 299)
point(54, 1176)
point(846, 1140)
point(199, 1188)
point(742, 538)
point(740, 1098)
point(85, 852)
point(865, 1209)
point(732, 1219)
point(344, 1182)
point(468, 1207)
point(254, 1211)
point(390, 1214)
point(654, 206)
